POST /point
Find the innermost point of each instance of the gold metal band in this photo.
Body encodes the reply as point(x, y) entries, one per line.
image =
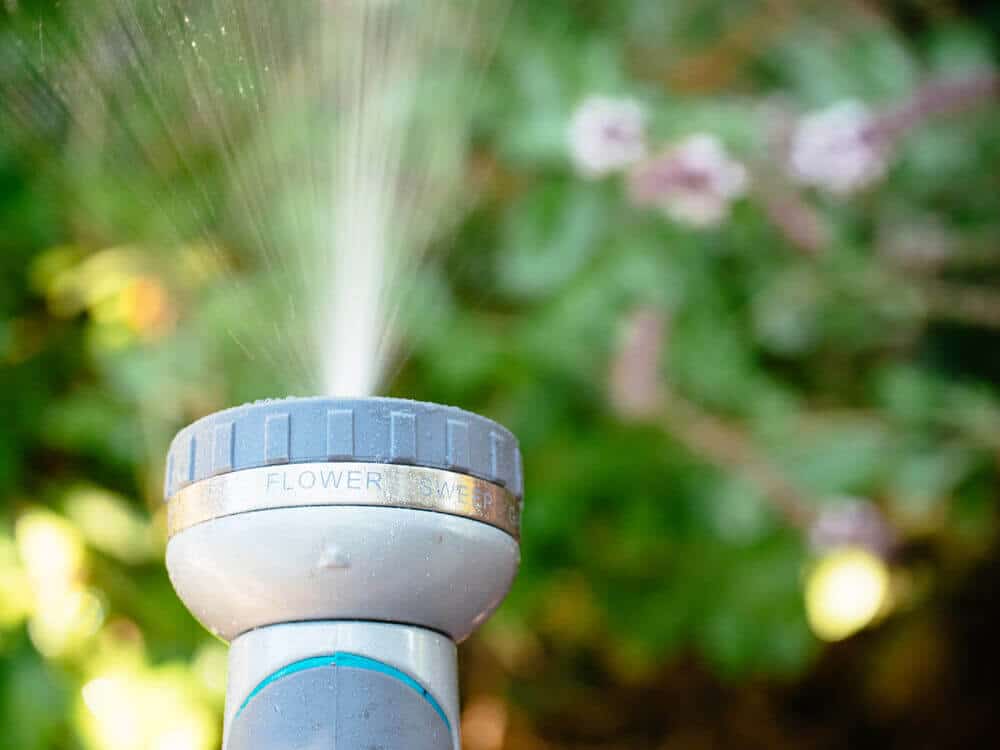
point(312, 484)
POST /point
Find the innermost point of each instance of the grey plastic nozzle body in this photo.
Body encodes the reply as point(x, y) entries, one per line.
point(344, 546)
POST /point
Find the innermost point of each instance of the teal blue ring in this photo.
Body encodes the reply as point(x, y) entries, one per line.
point(354, 661)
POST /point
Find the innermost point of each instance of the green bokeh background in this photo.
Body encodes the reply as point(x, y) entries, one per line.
point(660, 600)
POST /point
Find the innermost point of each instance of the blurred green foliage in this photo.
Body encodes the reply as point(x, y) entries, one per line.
point(857, 370)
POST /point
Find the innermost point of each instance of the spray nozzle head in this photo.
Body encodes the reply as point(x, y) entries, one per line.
point(343, 509)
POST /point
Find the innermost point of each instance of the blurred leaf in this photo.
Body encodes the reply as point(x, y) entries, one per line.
point(872, 65)
point(836, 459)
point(35, 697)
point(958, 48)
point(925, 479)
point(550, 233)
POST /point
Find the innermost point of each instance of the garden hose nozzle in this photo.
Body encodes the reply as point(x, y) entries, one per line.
point(343, 546)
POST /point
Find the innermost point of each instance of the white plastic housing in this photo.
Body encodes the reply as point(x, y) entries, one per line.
point(434, 570)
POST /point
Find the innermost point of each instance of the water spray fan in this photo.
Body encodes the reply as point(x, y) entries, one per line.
point(343, 547)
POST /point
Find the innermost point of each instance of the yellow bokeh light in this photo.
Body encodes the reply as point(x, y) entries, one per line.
point(64, 614)
point(114, 703)
point(109, 524)
point(210, 666)
point(15, 589)
point(845, 591)
point(146, 307)
point(187, 736)
point(51, 550)
point(147, 709)
point(64, 621)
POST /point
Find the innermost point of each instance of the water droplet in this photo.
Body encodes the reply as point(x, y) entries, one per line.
point(333, 558)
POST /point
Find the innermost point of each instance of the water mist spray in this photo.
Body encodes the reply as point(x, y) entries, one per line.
point(343, 547)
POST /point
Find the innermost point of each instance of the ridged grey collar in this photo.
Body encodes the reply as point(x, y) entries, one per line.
point(369, 430)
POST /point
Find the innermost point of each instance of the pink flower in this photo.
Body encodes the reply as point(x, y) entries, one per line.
point(838, 149)
point(693, 182)
point(853, 522)
point(606, 135)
